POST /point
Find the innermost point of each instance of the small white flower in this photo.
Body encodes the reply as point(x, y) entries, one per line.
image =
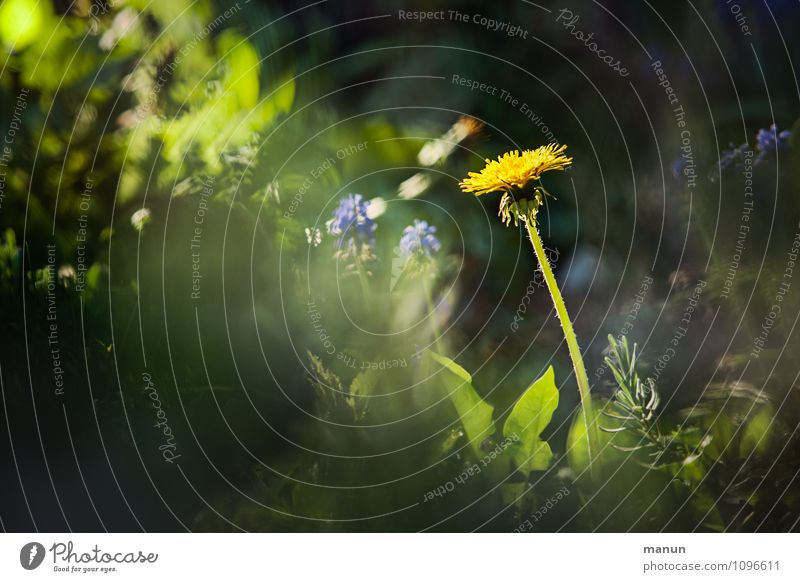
point(66, 274)
point(414, 186)
point(141, 218)
point(377, 206)
point(313, 236)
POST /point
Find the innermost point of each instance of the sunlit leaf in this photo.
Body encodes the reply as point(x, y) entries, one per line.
point(474, 413)
point(612, 445)
point(243, 69)
point(529, 417)
point(21, 22)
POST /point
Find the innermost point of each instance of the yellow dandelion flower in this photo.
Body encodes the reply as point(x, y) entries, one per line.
point(515, 169)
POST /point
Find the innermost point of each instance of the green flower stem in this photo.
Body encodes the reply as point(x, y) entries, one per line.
point(572, 341)
point(432, 315)
point(363, 279)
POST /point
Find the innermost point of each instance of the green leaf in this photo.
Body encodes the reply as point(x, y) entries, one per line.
point(722, 431)
point(614, 446)
point(758, 433)
point(529, 417)
point(243, 69)
point(474, 413)
point(534, 410)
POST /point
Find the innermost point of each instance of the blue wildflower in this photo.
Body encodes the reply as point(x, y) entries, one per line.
point(769, 140)
point(733, 156)
point(678, 165)
point(419, 239)
point(351, 224)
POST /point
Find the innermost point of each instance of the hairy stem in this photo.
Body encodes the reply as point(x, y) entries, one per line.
point(572, 342)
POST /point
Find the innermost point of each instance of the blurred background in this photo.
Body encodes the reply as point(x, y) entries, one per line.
point(231, 231)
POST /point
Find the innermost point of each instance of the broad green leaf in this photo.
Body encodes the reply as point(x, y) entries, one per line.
point(722, 431)
point(758, 432)
point(529, 417)
point(536, 458)
point(474, 413)
point(534, 410)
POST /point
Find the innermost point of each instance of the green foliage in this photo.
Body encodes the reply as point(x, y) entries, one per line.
point(700, 451)
point(168, 105)
point(362, 388)
point(333, 401)
point(528, 419)
point(231, 113)
point(635, 400)
point(473, 412)
point(578, 444)
point(634, 407)
point(9, 257)
point(21, 22)
point(523, 427)
point(758, 433)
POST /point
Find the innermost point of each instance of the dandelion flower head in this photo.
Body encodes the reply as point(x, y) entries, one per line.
point(515, 169)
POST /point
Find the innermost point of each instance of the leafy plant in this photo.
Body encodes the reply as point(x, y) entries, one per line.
point(528, 419)
point(474, 413)
point(634, 407)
